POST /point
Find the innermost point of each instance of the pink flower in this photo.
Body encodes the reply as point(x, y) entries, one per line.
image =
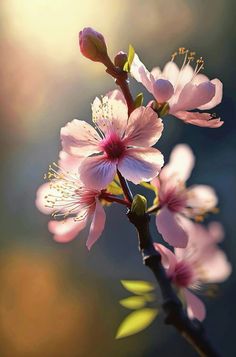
point(67, 198)
point(202, 262)
point(175, 200)
point(118, 143)
point(182, 89)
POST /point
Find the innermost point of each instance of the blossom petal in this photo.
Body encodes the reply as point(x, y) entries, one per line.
point(181, 163)
point(162, 90)
point(68, 162)
point(202, 198)
point(97, 225)
point(97, 172)
point(216, 266)
point(141, 74)
point(217, 97)
point(43, 198)
point(193, 96)
point(66, 230)
point(171, 72)
point(80, 139)
point(168, 258)
point(110, 113)
point(169, 226)
point(199, 119)
point(156, 72)
point(141, 164)
point(195, 307)
point(144, 128)
point(216, 231)
point(116, 94)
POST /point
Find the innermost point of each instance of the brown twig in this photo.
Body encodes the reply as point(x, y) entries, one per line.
point(175, 315)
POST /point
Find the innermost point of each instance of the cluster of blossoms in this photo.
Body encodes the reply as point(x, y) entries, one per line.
point(96, 160)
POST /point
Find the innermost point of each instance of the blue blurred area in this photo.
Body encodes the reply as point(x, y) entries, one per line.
point(59, 300)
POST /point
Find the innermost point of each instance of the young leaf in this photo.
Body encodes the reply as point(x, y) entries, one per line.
point(133, 302)
point(138, 100)
point(114, 188)
point(129, 61)
point(136, 322)
point(149, 186)
point(139, 287)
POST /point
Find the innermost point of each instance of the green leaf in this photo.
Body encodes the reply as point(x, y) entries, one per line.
point(139, 287)
point(133, 302)
point(136, 322)
point(138, 100)
point(149, 186)
point(114, 188)
point(129, 61)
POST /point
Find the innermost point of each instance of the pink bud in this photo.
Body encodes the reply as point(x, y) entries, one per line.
point(92, 45)
point(120, 59)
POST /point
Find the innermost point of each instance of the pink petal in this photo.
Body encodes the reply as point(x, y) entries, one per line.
point(217, 97)
point(80, 138)
point(97, 225)
point(169, 226)
point(199, 119)
point(65, 231)
point(216, 231)
point(141, 164)
point(116, 94)
point(195, 307)
point(216, 267)
point(181, 163)
point(144, 128)
point(202, 197)
point(171, 72)
point(156, 72)
point(185, 76)
point(97, 172)
point(193, 96)
point(42, 196)
point(110, 113)
point(68, 162)
point(162, 90)
point(168, 258)
point(141, 74)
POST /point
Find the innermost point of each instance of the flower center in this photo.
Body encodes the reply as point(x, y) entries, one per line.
point(183, 275)
point(175, 198)
point(113, 146)
point(67, 196)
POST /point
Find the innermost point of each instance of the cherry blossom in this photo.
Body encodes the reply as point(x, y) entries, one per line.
point(117, 143)
point(175, 200)
point(68, 200)
point(177, 91)
point(201, 263)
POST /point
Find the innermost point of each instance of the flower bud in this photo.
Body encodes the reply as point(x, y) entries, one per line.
point(92, 45)
point(139, 205)
point(120, 59)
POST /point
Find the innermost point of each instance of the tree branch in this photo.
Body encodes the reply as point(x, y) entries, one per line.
point(175, 315)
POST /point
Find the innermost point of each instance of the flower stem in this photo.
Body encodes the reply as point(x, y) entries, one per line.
point(125, 187)
point(111, 198)
point(121, 79)
point(153, 209)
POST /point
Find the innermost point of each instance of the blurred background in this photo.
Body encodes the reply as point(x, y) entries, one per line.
point(59, 300)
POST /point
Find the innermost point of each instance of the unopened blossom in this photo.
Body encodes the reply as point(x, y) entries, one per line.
point(116, 143)
point(92, 45)
point(178, 91)
point(201, 263)
point(71, 204)
point(175, 200)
